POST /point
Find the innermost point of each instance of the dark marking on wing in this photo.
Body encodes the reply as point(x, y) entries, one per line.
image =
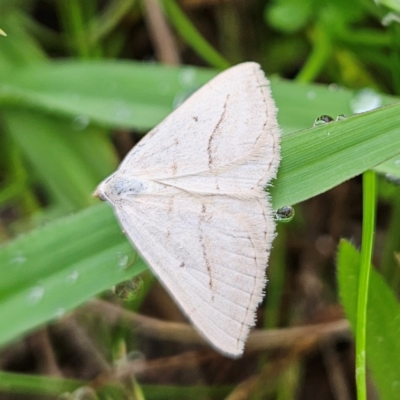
point(196, 118)
point(207, 261)
point(204, 218)
point(265, 218)
point(182, 265)
point(214, 134)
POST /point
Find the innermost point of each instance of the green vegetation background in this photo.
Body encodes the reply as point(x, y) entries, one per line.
point(73, 83)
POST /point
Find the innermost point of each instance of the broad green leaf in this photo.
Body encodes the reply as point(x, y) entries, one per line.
point(110, 93)
point(383, 323)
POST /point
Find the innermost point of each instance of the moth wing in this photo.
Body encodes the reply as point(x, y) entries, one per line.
point(223, 139)
point(208, 232)
point(210, 254)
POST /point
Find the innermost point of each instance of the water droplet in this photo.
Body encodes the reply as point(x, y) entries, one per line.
point(285, 214)
point(84, 393)
point(389, 18)
point(122, 111)
point(311, 95)
point(128, 290)
point(340, 117)
point(397, 162)
point(334, 87)
point(361, 356)
point(136, 355)
point(122, 260)
point(359, 371)
point(322, 120)
point(72, 277)
point(60, 312)
point(393, 179)
point(365, 100)
point(35, 295)
point(18, 260)
point(80, 122)
point(187, 77)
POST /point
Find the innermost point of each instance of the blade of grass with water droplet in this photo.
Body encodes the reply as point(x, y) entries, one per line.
point(56, 268)
point(315, 160)
point(147, 92)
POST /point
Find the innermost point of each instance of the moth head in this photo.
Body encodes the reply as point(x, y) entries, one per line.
point(118, 187)
point(100, 192)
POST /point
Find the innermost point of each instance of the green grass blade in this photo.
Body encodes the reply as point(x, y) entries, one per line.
point(369, 206)
point(20, 48)
point(109, 19)
point(63, 158)
point(72, 17)
point(54, 269)
point(383, 320)
point(36, 385)
point(138, 95)
point(47, 386)
point(317, 159)
point(131, 95)
point(191, 35)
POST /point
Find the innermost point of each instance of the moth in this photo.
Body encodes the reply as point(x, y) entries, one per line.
point(191, 197)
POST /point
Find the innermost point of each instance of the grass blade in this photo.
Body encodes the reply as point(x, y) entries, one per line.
point(383, 320)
